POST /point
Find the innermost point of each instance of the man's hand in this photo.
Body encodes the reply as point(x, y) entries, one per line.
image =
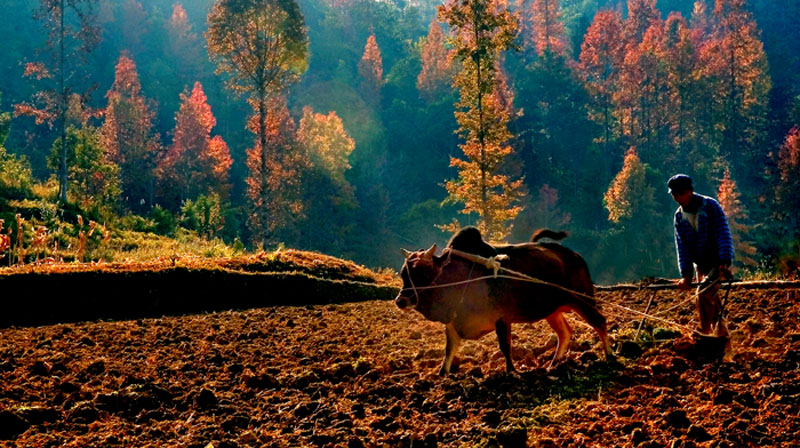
point(725, 272)
point(684, 284)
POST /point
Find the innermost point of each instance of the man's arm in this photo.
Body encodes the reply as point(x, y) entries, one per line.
point(723, 234)
point(684, 258)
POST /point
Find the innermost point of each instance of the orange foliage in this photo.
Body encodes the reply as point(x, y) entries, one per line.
point(436, 64)
point(602, 53)
point(789, 157)
point(370, 68)
point(728, 197)
point(195, 164)
point(325, 140)
point(273, 185)
point(642, 14)
point(625, 191)
point(127, 134)
point(546, 28)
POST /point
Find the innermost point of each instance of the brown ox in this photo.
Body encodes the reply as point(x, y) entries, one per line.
point(473, 309)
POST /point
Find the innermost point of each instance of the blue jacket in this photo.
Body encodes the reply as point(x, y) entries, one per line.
point(708, 246)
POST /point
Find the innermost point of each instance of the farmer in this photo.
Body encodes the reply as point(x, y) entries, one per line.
point(703, 243)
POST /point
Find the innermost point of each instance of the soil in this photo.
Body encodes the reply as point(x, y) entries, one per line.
point(364, 374)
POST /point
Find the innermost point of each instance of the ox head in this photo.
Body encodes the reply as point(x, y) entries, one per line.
point(419, 270)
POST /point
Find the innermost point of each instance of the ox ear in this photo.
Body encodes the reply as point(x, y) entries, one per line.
point(406, 253)
point(430, 252)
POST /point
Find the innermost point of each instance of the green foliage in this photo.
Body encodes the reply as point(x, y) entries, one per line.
point(16, 178)
point(206, 215)
point(93, 180)
point(165, 221)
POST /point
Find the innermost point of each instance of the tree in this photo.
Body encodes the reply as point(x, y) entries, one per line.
point(642, 97)
point(328, 196)
point(680, 57)
point(195, 164)
point(328, 146)
point(262, 44)
point(629, 190)
point(370, 68)
point(547, 30)
point(482, 31)
point(279, 202)
point(728, 196)
point(15, 172)
point(184, 45)
point(436, 64)
point(787, 201)
point(72, 34)
point(602, 53)
point(636, 245)
point(734, 57)
point(641, 15)
point(93, 178)
point(128, 138)
point(133, 26)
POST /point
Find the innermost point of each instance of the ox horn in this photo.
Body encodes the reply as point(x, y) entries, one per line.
point(406, 253)
point(430, 252)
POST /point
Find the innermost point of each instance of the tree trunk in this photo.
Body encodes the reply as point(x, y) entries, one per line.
point(262, 136)
point(62, 170)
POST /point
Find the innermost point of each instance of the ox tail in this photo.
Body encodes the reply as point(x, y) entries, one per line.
point(547, 233)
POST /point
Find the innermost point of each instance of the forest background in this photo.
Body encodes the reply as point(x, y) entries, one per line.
point(605, 101)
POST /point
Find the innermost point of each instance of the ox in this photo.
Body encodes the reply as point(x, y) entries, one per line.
point(472, 309)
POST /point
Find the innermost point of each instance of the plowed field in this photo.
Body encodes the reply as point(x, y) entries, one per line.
point(363, 374)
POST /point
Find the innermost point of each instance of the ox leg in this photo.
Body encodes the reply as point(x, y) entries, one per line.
point(563, 331)
point(453, 342)
point(504, 339)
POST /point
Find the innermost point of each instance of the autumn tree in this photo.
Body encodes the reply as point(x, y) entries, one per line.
point(328, 146)
point(184, 44)
point(602, 54)
point(788, 190)
point(434, 78)
point(370, 68)
point(128, 138)
point(195, 164)
point(734, 59)
point(641, 15)
point(728, 196)
point(482, 31)
point(262, 44)
point(680, 57)
point(328, 195)
point(787, 200)
point(279, 202)
point(546, 27)
point(637, 242)
point(642, 98)
point(72, 34)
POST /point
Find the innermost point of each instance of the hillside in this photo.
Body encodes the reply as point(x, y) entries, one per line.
point(363, 374)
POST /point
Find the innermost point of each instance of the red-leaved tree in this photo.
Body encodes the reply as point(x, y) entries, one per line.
point(184, 44)
point(281, 203)
point(370, 68)
point(128, 138)
point(728, 196)
point(436, 73)
point(602, 53)
point(546, 28)
point(195, 164)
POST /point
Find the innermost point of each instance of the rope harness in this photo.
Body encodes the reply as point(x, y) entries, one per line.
point(494, 264)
